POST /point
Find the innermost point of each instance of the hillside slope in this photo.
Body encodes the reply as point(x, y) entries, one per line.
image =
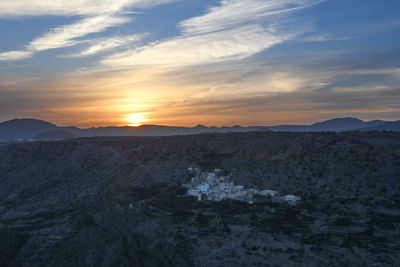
point(118, 201)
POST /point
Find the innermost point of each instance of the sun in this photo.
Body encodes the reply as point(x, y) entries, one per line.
point(135, 119)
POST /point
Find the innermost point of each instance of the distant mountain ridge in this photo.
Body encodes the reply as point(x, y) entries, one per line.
point(42, 130)
point(389, 126)
point(333, 125)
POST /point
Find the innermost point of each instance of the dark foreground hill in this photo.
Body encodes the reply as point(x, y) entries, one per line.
point(119, 201)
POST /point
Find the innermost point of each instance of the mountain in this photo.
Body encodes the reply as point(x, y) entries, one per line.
point(37, 129)
point(376, 123)
point(388, 126)
point(333, 125)
point(158, 130)
point(24, 128)
point(339, 125)
point(290, 128)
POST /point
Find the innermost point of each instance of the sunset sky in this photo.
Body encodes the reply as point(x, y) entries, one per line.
point(180, 62)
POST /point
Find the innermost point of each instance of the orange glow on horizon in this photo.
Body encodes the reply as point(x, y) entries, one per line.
point(135, 119)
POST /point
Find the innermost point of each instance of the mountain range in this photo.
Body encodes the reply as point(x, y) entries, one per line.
point(42, 130)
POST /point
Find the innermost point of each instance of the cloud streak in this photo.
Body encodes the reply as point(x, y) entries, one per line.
point(15, 55)
point(98, 16)
point(281, 108)
point(232, 13)
point(325, 38)
point(67, 35)
point(226, 94)
point(215, 47)
point(17, 8)
point(236, 29)
point(106, 44)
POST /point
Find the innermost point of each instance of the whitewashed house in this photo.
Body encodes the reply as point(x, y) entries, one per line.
point(204, 187)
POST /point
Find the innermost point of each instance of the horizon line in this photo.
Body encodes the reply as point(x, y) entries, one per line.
point(198, 125)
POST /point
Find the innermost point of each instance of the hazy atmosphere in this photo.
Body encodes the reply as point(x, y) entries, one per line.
point(230, 62)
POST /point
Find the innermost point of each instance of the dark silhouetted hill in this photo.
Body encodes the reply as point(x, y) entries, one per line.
point(24, 128)
point(389, 126)
point(30, 128)
point(333, 125)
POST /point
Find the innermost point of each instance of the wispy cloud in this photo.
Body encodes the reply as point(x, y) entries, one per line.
point(16, 8)
point(231, 13)
point(106, 44)
point(225, 94)
point(98, 16)
point(280, 108)
point(15, 55)
point(325, 38)
point(67, 35)
point(236, 29)
point(232, 44)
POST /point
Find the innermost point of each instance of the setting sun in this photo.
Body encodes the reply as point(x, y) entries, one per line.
point(135, 119)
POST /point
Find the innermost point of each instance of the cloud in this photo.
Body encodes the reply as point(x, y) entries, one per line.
point(325, 38)
point(221, 46)
point(15, 55)
point(67, 35)
point(280, 108)
point(232, 13)
point(236, 29)
point(106, 44)
point(16, 8)
point(97, 17)
point(226, 94)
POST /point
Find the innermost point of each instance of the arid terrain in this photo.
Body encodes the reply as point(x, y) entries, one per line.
point(120, 201)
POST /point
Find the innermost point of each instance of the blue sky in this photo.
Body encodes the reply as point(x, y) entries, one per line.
point(175, 62)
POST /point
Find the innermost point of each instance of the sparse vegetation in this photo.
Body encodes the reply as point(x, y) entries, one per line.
point(104, 201)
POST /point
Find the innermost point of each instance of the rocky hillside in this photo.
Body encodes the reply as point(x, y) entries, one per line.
point(119, 201)
point(335, 164)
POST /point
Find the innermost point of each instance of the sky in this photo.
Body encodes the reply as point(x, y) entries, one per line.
point(178, 62)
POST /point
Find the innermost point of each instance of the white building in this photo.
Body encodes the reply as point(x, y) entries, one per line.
point(204, 187)
point(292, 198)
point(210, 177)
point(207, 186)
point(192, 192)
point(268, 193)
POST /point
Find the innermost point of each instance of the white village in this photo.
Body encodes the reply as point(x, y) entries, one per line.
point(213, 186)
